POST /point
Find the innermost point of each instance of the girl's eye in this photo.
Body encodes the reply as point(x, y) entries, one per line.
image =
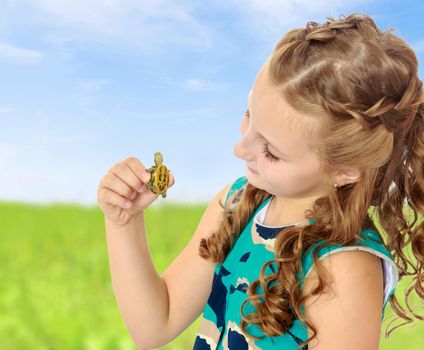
point(268, 155)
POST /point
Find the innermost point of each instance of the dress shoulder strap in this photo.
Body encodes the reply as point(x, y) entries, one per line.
point(235, 191)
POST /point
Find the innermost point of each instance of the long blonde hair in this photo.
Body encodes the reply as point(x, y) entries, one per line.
point(364, 81)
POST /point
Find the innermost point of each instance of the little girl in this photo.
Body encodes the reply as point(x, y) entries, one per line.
point(333, 139)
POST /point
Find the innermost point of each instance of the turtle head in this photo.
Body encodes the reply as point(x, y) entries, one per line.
point(158, 158)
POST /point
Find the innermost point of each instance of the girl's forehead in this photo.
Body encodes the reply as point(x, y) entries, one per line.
point(280, 120)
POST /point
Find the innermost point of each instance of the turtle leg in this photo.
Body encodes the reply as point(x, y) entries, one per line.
point(149, 184)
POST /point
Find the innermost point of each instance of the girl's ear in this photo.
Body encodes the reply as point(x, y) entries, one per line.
point(348, 175)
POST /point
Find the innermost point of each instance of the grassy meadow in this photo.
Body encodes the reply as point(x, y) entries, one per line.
point(56, 291)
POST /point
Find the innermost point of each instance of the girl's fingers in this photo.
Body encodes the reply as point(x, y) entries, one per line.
point(138, 169)
point(171, 179)
point(111, 197)
point(122, 171)
point(115, 183)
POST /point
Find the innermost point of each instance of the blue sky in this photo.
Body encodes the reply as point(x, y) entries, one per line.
point(85, 84)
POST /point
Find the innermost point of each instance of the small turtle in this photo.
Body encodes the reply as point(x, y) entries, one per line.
point(159, 176)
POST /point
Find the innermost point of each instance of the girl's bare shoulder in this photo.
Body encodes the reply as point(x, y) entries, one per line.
point(348, 314)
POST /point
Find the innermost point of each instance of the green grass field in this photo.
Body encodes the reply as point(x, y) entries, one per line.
point(56, 290)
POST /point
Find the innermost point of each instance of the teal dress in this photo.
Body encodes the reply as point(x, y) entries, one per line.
point(220, 323)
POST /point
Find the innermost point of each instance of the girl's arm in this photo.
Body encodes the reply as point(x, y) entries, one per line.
point(139, 291)
point(156, 309)
point(348, 316)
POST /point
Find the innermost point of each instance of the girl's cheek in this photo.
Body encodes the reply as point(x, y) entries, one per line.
point(270, 169)
point(263, 168)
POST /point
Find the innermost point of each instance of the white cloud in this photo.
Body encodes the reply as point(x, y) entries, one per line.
point(19, 55)
point(86, 91)
point(91, 86)
point(267, 19)
point(160, 26)
point(149, 25)
point(203, 85)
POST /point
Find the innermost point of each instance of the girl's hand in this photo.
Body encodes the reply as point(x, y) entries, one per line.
point(124, 184)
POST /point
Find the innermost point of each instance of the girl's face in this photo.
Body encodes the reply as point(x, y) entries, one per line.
point(274, 146)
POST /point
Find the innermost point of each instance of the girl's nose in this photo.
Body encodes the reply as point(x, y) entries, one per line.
point(237, 151)
point(242, 150)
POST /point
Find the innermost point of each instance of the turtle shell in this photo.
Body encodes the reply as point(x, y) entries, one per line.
point(161, 179)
